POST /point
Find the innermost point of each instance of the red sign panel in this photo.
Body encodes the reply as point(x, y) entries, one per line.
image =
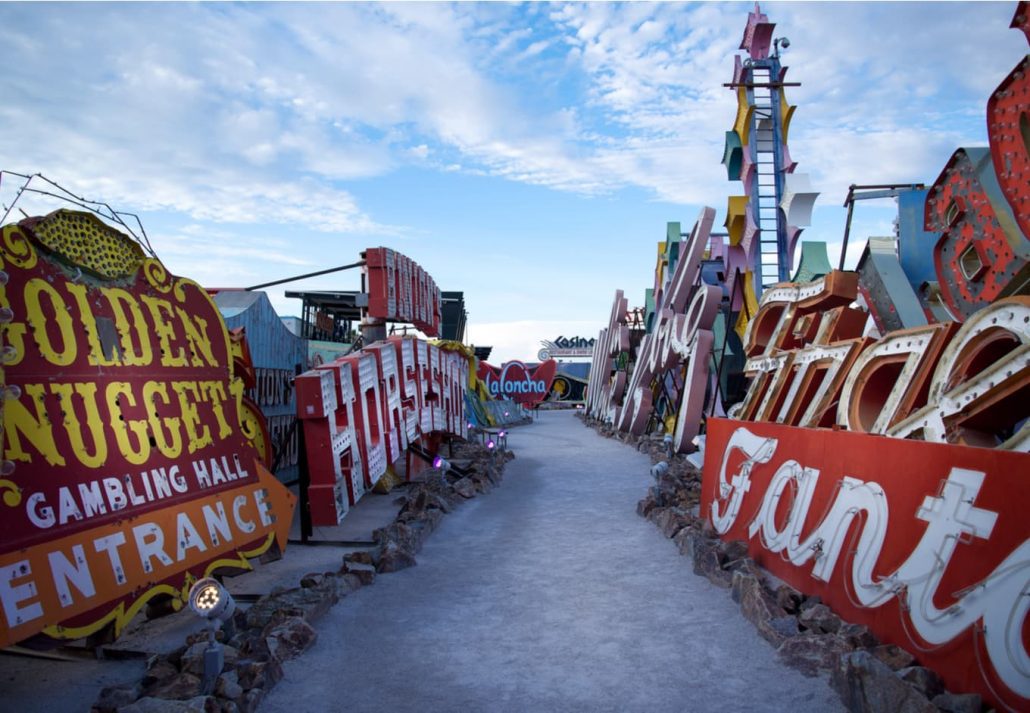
point(360, 413)
point(924, 543)
point(514, 381)
point(129, 465)
point(399, 290)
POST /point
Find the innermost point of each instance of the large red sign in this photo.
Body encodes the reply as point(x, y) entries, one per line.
point(129, 465)
point(932, 554)
point(400, 290)
point(360, 413)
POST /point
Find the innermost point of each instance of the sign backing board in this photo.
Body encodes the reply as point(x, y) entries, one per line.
point(924, 543)
point(129, 465)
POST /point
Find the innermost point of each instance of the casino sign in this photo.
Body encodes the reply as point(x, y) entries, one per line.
point(132, 461)
point(563, 347)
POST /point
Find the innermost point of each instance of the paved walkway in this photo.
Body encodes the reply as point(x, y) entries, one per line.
point(548, 594)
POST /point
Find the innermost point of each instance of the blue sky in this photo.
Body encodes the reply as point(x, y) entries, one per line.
point(529, 155)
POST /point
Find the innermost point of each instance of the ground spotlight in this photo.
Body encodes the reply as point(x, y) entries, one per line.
point(657, 471)
point(210, 601)
point(490, 444)
point(668, 443)
point(441, 463)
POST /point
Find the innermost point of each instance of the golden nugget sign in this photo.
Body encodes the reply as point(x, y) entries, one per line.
point(128, 466)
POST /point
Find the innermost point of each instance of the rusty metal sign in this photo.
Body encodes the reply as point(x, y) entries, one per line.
point(400, 290)
point(924, 543)
point(132, 462)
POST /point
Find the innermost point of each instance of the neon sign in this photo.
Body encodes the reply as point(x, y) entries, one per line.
point(360, 412)
point(513, 380)
point(943, 382)
point(682, 341)
point(133, 463)
point(565, 347)
point(400, 290)
point(950, 581)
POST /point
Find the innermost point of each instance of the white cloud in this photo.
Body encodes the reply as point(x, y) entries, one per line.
point(315, 94)
point(276, 113)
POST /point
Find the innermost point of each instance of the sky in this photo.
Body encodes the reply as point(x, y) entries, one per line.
point(529, 155)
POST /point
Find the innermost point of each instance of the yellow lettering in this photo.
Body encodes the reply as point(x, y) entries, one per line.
point(37, 430)
point(13, 332)
point(119, 300)
point(89, 322)
point(196, 335)
point(88, 394)
point(169, 444)
point(39, 319)
point(190, 418)
point(161, 311)
point(121, 391)
point(215, 391)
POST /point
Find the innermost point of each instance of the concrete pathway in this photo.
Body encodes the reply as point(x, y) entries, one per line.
point(548, 594)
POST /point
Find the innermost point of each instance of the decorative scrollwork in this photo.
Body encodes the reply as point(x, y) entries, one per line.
point(157, 276)
point(17, 249)
point(12, 493)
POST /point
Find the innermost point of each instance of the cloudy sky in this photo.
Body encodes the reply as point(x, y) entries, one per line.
point(529, 155)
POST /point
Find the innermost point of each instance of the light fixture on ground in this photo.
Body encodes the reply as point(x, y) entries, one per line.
point(491, 447)
point(502, 439)
point(657, 471)
point(441, 463)
point(210, 601)
point(668, 444)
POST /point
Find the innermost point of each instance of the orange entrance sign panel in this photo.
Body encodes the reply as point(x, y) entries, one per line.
point(104, 575)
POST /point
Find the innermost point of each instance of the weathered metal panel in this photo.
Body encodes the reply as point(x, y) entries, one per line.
point(277, 355)
point(886, 289)
point(982, 254)
point(1008, 125)
point(815, 263)
point(915, 245)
